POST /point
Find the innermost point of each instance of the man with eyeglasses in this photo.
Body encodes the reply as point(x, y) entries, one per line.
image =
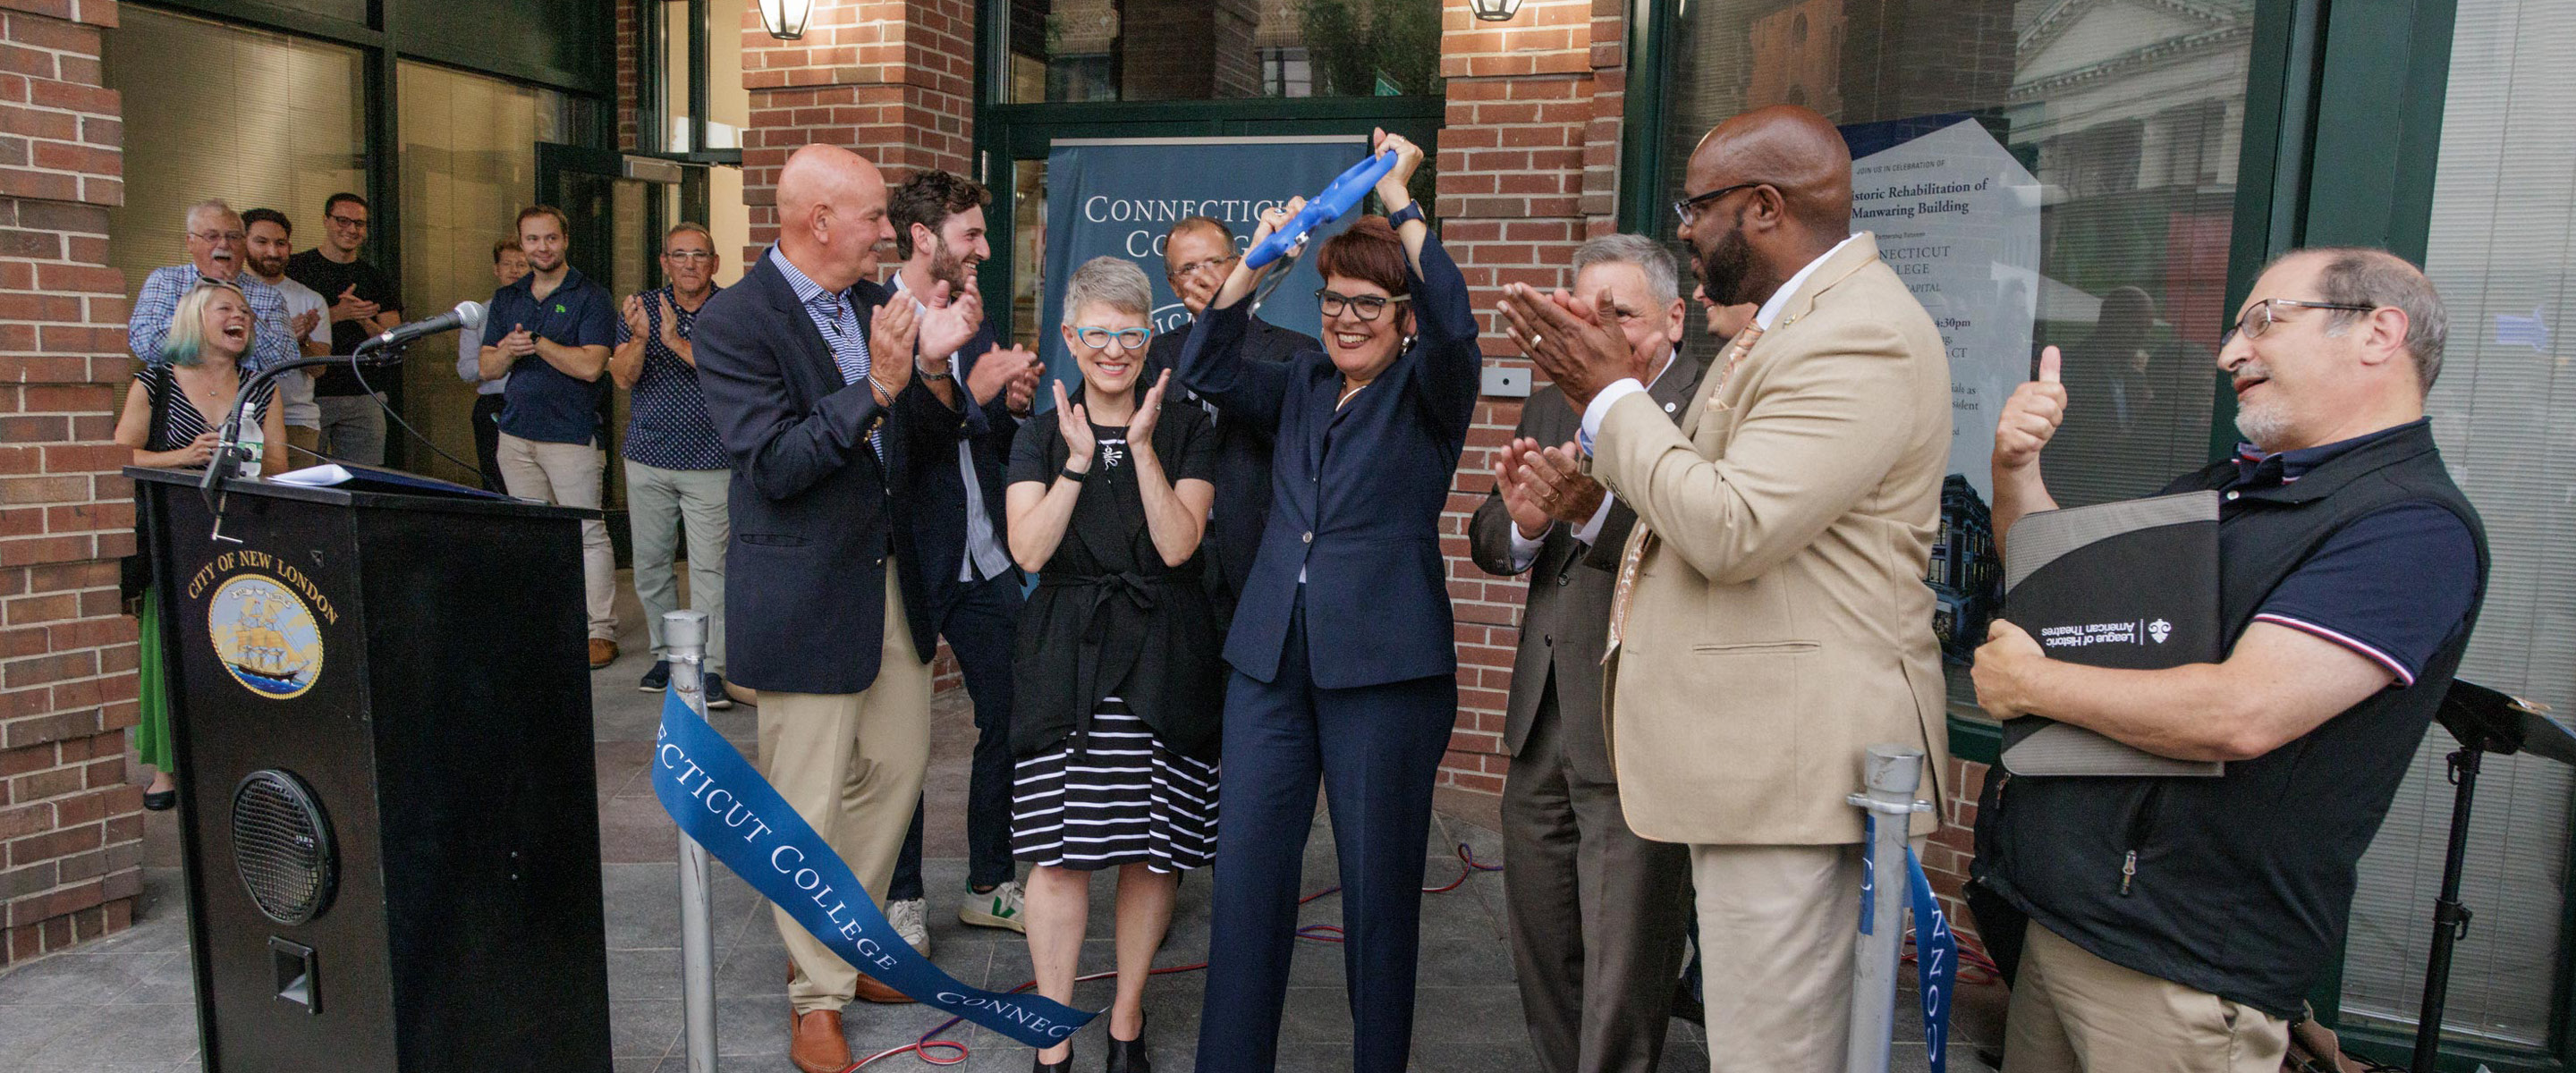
point(676, 468)
point(217, 249)
point(1197, 254)
point(2180, 923)
point(363, 303)
point(1769, 622)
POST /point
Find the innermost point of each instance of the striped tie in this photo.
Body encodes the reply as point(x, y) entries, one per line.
point(1621, 595)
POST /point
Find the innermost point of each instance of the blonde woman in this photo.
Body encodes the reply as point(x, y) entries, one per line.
point(172, 415)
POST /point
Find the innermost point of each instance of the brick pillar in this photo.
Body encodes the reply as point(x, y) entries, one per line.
point(1528, 169)
point(628, 72)
point(72, 825)
point(891, 80)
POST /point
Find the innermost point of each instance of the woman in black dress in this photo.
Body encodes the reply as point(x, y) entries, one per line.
point(1117, 674)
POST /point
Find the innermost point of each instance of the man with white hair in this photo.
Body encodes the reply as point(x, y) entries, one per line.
point(217, 249)
point(2180, 922)
point(802, 364)
point(1597, 913)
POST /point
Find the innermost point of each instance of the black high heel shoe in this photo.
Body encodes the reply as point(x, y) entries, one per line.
point(161, 800)
point(1128, 1055)
point(1041, 1065)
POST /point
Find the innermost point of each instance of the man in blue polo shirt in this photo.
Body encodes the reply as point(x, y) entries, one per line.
point(550, 333)
point(2178, 923)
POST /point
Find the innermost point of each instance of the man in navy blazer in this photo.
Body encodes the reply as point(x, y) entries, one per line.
point(802, 365)
point(1197, 254)
point(954, 498)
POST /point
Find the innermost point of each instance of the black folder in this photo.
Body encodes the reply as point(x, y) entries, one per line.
point(2131, 584)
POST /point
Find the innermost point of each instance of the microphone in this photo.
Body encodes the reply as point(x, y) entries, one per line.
point(467, 315)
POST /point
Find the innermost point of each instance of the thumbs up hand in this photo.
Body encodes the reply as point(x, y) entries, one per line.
point(2030, 417)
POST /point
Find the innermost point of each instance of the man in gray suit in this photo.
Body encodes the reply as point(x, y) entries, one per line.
point(1597, 913)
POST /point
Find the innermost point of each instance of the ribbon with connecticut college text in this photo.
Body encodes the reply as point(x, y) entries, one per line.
point(724, 803)
point(1936, 951)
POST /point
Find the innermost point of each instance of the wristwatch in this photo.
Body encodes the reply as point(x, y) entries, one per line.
point(1412, 210)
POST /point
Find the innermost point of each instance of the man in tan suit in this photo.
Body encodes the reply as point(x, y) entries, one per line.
point(1770, 620)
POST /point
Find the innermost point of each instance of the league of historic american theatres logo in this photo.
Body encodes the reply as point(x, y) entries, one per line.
point(2160, 629)
point(265, 636)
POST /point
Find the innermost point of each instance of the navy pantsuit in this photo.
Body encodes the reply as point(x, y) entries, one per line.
point(1344, 670)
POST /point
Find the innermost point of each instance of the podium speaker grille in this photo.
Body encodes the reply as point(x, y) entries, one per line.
point(282, 847)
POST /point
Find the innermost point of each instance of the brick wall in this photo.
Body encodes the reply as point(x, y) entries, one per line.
point(1527, 171)
point(72, 825)
point(889, 79)
point(629, 57)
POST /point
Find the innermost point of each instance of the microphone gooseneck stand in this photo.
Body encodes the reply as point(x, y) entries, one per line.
point(229, 455)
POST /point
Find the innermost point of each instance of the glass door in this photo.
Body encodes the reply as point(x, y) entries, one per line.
point(617, 207)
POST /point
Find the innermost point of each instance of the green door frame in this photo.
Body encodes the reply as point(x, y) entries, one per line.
point(2343, 117)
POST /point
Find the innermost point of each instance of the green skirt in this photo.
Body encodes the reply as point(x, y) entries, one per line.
point(152, 734)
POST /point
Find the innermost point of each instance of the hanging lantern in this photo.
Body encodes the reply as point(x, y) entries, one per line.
point(785, 19)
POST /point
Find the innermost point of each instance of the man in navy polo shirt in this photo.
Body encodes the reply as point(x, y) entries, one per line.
point(676, 468)
point(2178, 923)
point(550, 333)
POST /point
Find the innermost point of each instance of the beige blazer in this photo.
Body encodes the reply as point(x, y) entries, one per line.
point(1780, 624)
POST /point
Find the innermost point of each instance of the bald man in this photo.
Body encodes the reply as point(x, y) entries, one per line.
point(1774, 623)
point(2181, 923)
point(807, 371)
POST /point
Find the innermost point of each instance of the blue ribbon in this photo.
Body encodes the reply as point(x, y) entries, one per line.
point(1936, 951)
point(719, 799)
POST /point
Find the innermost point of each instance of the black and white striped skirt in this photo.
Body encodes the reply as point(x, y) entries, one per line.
point(1125, 800)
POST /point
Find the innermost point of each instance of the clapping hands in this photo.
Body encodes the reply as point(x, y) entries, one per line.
point(1544, 485)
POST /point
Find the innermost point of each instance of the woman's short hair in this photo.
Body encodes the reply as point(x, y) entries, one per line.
point(1368, 251)
point(185, 345)
point(1112, 282)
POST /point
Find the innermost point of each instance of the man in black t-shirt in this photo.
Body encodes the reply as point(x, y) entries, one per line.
point(363, 303)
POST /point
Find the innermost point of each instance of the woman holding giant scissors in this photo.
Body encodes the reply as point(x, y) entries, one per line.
point(1341, 645)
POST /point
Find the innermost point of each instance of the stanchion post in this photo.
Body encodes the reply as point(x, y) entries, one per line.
point(1891, 774)
point(685, 634)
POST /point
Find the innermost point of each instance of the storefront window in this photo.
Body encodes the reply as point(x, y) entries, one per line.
point(2504, 206)
point(262, 120)
point(2040, 174)
point(1181, 50)
point(469, 164)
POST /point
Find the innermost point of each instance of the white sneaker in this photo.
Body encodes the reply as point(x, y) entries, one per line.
point(999, 907)
point(906, 916)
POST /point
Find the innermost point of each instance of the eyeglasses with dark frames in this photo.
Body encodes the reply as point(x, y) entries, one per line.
point(1128, 339)
point(1688, 208)
point(1364, 306)
point(347, 221)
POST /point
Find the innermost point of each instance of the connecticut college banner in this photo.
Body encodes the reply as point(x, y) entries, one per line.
point(1118, 197)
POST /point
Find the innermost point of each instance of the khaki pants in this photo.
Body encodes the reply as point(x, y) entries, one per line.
point(310, 439)
point(1778, 923)
point(851, 764)
point(2073, 1011)
point(658, 502)
point(570, 475)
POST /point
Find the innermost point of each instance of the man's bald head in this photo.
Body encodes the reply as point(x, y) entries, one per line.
point(832, 214)
point(1791, 148)
point(1767, 192)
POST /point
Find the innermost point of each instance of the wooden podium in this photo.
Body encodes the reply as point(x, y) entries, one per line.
point(382, 719)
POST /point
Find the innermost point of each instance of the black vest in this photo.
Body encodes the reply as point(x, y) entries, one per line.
point(2240, 885)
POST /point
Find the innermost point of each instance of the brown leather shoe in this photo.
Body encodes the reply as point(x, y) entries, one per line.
point(871, 989)
point(817, 1045)
point(602, 652)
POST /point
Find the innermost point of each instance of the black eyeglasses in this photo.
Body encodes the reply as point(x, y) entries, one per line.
point(1195, 267)
point(1688, 208)
point(2259, 318)
point(1363, 306)
point(347, 221)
